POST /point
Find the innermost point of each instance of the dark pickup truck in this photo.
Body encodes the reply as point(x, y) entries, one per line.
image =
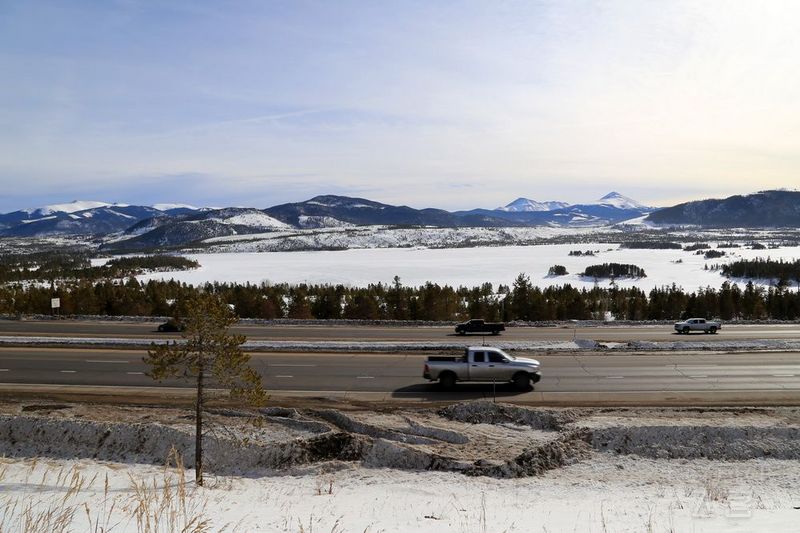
point(477, 325)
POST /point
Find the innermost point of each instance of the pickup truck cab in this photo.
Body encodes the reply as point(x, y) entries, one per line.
point(697, 324)
point(483, 364)
point(477, 325)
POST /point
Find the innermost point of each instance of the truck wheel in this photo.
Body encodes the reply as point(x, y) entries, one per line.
point(712, 330)
point(447, 380)
point(522, 381)
point(462, 332)
point(495, 332)
point(685, 330)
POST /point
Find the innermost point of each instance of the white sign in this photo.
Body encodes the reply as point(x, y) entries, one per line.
point(55, 303)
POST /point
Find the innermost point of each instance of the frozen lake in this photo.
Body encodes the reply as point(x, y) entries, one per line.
point(463, 266)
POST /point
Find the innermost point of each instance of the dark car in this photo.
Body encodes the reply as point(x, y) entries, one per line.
point(478, 325)
point(171, 326)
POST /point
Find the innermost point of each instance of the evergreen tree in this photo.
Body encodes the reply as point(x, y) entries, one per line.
point(209, 351)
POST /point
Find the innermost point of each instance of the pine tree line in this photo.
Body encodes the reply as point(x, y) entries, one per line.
point(764, 269)
point(394, 301)
point(46, 266)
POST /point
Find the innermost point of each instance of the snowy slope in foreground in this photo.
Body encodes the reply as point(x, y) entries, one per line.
point(608, 493)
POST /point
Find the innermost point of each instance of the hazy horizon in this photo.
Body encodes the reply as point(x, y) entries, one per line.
point(455, 106)
point(420, 206)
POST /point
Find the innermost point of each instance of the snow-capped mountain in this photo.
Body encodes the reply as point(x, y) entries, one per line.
point(173, 222)
point(615, 199)
point(181, 230)
point(609, 209)
point(47, 212)
point(525, 204)
point(172, 207)
point(101, 220)
point(70, 207)
point(132, 227)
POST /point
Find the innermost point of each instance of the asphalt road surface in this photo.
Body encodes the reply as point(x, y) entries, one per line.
point(400, 374)
point(110, 329)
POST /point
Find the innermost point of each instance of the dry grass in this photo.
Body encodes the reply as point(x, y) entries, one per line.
point(58, 499)
point(716, 491)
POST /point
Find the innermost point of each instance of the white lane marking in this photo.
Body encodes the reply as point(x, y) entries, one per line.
point(4, 370)
point(290, 365)
point(615, 377)
point(782, 375)
point(365, 377)
point(68, 371)
point(117, 362)
point(698, 376)
point(284, 376)
point(135, 373)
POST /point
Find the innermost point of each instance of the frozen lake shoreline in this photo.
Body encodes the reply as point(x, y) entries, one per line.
point(465, 266)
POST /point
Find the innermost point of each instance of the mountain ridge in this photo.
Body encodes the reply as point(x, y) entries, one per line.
point(139, 227)
point(773, 208)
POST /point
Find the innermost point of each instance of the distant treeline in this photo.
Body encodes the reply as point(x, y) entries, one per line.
point(785, 271)
point(49, 266)
point(520, 301)
point(651, 245)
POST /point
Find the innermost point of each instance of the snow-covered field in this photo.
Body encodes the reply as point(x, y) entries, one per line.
point(464, 266)
point(608, 494)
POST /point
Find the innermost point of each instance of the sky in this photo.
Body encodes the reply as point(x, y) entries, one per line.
point(428, 104)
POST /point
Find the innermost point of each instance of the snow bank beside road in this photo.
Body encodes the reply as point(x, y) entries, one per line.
point(418, 346)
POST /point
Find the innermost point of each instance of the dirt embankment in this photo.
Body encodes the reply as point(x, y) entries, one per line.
point(475, 438)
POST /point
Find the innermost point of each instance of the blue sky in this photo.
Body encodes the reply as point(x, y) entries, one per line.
point(446, 104)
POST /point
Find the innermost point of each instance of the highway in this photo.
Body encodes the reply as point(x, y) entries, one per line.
point(400, 374)
point(113, 329)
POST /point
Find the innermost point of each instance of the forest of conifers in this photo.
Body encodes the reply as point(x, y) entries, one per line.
point(28, 282)
point(394, 301)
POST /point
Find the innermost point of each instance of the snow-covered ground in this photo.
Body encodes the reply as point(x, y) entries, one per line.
point(609, 494)
point(465, 266)
point(471, 467)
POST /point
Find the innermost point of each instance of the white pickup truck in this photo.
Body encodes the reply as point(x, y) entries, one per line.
point(483, 363)
point(697, 324)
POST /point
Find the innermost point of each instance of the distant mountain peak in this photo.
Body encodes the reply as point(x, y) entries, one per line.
point(70, 207)
point(528, 205)
point(620, 201)
point(335, 201)
point(168, 207)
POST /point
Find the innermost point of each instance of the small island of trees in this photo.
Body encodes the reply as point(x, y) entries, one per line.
point(614, 270)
